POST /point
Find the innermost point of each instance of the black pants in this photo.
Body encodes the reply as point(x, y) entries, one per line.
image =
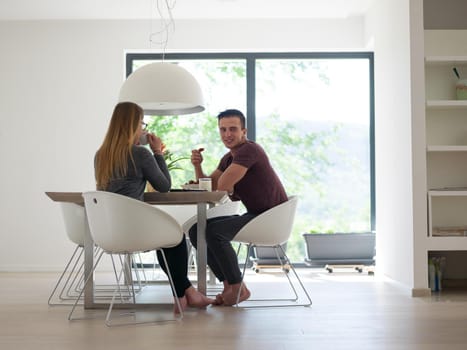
point(222, 258)
point(177, 259)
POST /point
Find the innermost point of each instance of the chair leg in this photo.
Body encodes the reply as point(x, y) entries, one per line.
point(76, 283)
point(140, 280)
point(105, 291)
point(172, 285)
point(283, 262)
point(248, 249)
point(70, 315)
point(79, 278)
point(125, 262)
point(75, 260)
point(191, 255)
point(71, 281)
point(288, 262)
point(124, 271)
point(117, 290)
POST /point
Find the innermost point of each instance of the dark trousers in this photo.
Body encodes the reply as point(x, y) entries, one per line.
point(177, 259)
point(222, 258)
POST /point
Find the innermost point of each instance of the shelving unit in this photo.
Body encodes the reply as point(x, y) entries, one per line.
point(446, 146)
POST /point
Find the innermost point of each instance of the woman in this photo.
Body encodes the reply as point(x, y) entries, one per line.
point(123, 166)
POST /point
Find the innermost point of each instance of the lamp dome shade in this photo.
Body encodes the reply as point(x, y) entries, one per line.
point(163, 89)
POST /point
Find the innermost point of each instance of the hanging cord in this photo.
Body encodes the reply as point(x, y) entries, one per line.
point(166, 23)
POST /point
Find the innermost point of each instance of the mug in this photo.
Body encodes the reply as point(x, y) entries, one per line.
point(143, 139)
point(205, 184)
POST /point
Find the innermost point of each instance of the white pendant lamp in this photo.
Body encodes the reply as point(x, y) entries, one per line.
point(163, 89)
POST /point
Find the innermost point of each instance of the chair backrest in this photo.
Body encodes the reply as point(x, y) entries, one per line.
point(120, 224)
point(224, 209)
point(73, 218)
point(272, 227)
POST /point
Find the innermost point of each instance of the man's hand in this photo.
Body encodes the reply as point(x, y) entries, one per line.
point(196, 156)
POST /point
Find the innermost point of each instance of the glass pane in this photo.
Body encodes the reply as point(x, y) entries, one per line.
point(224, 86)
point(312, 118)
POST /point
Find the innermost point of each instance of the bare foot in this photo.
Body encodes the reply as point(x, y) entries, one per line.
point(230, 297)
point(219, 300)
point(197, 299)
point(219, 297)
point(183, 304)
point(227, 287)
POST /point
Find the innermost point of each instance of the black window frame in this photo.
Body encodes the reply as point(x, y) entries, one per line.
point(250, 58)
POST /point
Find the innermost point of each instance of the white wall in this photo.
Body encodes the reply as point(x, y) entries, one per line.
point(59, 81)
point(390, 23)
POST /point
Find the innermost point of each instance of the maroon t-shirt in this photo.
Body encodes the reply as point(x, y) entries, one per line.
point(260, 189)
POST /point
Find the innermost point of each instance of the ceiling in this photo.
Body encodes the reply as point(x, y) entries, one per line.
point(183, 9)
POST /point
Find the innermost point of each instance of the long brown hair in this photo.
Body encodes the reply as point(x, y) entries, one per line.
point(112, 157)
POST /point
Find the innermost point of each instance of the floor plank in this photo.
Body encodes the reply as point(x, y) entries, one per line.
point(350, 311)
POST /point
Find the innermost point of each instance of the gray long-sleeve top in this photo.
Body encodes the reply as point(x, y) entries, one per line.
point(152, 168)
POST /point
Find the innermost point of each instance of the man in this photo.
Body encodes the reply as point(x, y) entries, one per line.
point(246, 174)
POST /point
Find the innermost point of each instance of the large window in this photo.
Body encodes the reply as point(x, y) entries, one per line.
point(312, 112)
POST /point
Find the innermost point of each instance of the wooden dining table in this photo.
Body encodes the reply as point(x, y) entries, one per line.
point(202, 199)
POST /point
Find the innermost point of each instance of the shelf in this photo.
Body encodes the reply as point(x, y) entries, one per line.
point(445, 60)
point(446, 243)
point(446, 148)
point(457, 195)
point(448, 191)
point(440, 104)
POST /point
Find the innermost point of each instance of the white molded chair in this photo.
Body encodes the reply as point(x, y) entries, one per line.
point(122, 225)
point(272, 229)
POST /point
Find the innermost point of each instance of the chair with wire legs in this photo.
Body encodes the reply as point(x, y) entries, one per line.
point(69, 284)
point(272, 229)
point(123, 226)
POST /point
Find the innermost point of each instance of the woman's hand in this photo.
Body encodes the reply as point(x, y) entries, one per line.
point(156, 144)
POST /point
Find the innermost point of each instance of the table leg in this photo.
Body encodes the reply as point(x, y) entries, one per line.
point(201, 250)
point(88, 264)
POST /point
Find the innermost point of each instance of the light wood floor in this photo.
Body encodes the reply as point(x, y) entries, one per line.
point(350, 311)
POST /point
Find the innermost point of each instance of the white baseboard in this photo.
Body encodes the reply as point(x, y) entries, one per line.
point(421, 292)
